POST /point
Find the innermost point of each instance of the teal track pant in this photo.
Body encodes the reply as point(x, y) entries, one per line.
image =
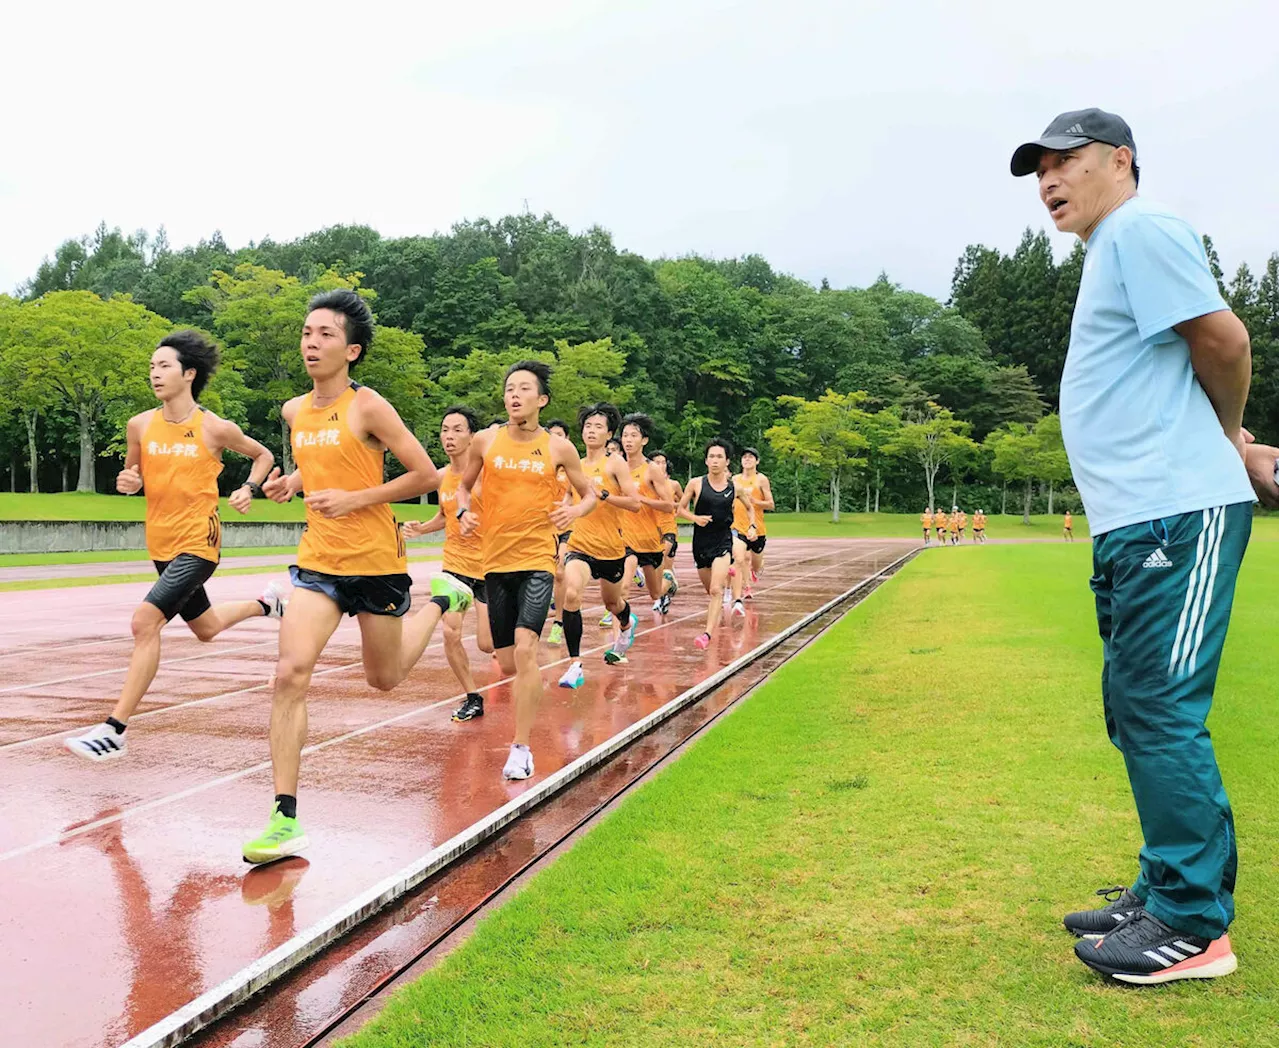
point(1163, 591)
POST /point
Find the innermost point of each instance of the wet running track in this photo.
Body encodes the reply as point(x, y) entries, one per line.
point(123, 897)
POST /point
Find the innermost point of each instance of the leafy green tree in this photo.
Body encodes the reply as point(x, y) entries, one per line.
point(1015, 452)
point(932, 440)
point(92, 354)
point(826, 433)
point(1051, 455)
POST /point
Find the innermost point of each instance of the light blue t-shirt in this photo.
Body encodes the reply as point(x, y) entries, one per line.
point(1142, 438)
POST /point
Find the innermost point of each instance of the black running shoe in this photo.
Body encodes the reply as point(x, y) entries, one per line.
point(1093, 924)
point(473, 707)
point(1146, 950)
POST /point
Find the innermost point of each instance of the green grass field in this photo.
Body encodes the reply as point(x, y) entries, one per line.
point(884, 859)
point(74, 506)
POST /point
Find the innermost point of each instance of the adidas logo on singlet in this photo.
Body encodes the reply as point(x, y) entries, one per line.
point(333, 417)
point(538, 452)
point(189, 433)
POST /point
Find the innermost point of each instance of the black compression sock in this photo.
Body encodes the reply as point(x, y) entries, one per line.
point(288, 805)
point(573, 632)
point(117, 725)
point(442, 603)
point(266, 610)
point(624, 616)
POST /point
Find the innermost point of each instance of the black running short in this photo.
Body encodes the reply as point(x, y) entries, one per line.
point(605, 570)
point(646, 560)
point(673, 543)
point(517, 600)
point(476, 585)
point(755, 545)
point(374, 594)
point(707, 553)
point(563, 538)
point(180, 588)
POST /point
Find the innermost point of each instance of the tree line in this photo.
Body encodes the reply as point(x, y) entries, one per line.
point(876, 397)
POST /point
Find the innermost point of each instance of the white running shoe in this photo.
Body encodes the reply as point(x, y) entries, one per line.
point(573, 676)
point(99, 743)
point(276, 598)
point(739, 609)
point(519, 763)
point(657, 605)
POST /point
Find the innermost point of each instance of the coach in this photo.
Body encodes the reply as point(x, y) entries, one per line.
point(1153, 395)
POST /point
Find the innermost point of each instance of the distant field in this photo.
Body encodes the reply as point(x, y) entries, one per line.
point(74, 506)
point(907, 525)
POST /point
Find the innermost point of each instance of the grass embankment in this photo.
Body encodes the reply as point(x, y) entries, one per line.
point(884, 858)
point(70, 505)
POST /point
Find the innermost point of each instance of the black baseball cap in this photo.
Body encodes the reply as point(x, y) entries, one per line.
point(1070, 131)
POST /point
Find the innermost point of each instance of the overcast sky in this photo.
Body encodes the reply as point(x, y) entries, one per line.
point(834, 140)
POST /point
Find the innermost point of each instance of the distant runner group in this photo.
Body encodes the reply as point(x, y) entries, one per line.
point(528, 526)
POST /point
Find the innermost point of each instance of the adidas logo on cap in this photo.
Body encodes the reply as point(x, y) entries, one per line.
point(1074, 129)
point(1157, 560)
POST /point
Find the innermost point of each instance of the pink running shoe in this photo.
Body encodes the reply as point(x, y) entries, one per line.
point(703, 642)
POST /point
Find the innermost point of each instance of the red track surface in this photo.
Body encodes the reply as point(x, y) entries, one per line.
point(124, 896)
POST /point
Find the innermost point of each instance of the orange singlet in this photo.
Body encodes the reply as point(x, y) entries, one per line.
point(667, 521)
point(599, 533)
point(740, 521)
point(520, 489)
point(640, 530)
point(367, 541)
point(180, 481)
point(462, 553)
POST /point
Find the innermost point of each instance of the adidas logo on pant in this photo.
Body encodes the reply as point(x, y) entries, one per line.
point(1157, 560)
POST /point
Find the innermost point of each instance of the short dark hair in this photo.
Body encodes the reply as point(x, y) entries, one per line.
point(751, 451)
point(357, 320)
point(473, 421)
point(557, 422)
point(612, 417)
point(641, 421)
point(193, 350)
point(658, 455)
point(1134, 168)
point(613, 440)
point(718, 442)
point(540, 371)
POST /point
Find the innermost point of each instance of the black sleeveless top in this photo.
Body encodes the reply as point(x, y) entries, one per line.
point(718, 505)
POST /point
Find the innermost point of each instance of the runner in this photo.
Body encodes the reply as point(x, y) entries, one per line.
point(1067, 536)
point(643, 530)
point(613, 446)
point(667, 524)
point(597, 549)
point(516, 468)
point(980, 528)
point(963, 521)
point(926, 521)
point(559, 428)
point(953, 525)
point(461, 558)
point(712, 499)
point(940, 525)
point(762, 498)
point(174, 456)
point(351, 559)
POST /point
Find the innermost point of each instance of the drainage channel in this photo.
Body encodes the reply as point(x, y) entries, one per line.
point(334, 993)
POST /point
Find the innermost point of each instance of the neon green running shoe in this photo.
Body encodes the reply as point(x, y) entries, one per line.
point(282, 837)
point(557, 635)
point(459, 593)
point(607, 620)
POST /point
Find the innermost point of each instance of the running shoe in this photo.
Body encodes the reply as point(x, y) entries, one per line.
point(607, 620)
point(617, 654)
point(557, 635)
point(755, 576)
point(1094, 924)
point(275, 599)
point(1145, 950)
point(747, 594)
point(673, 586)
point(638, 578)
point(283, 836)
point(573, 676)
point(552, 606)
point(739, 609)
point(664, 604)
point(519, 763)
point(459, 593)
point(657, 606)
point(703, 642)
point(99, 743)
point(471, 708)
